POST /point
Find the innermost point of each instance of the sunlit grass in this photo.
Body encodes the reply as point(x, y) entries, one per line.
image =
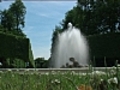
point(70, 80)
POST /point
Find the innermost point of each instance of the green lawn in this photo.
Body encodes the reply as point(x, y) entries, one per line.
point(35, 80)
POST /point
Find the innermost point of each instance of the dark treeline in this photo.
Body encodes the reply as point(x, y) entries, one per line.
point(92, 17)
point(95, 16)
point(40, 62)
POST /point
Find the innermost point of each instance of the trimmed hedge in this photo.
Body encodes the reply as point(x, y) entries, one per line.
point(12, 47)
point(107, 45)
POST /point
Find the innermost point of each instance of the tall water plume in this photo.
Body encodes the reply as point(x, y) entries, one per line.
point(70, 43)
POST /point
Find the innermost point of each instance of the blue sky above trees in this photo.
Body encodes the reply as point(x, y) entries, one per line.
point(40, 21)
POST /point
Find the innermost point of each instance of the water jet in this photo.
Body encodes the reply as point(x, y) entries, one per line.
point(70, 43)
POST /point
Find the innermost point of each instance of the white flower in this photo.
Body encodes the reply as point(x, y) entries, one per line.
point(26, 70)
point(46, 73)
point(12, 75)
point(118, 65)
point(101, 80)
point(114, 68)
point(1, 71)
point(9, 70)
point(57, 81)
point(99, 73)
point(112, 72)
point(73, 73)
point(113, 80)
point(82, 74)
point(53, 72)
point(52, 81)
point(17, 70)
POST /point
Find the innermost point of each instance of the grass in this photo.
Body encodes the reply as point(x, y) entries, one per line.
point(35, 80)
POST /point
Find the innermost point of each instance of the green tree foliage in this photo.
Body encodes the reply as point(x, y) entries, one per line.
point(41, 62)
point(18, 10)
point(13, 19)
point(94, 16)
point(6, 18)
point(69, 17)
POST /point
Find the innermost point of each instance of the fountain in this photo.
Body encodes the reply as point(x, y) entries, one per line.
point(70, 44)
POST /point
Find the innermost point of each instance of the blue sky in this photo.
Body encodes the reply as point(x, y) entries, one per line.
point(40, 21)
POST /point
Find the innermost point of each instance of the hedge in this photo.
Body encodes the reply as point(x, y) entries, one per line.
point(106, 45)
point(12, 47)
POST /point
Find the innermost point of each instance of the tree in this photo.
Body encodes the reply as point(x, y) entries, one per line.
point(110, 15)
point(18, 11)
point(12, 19)
point(95, 16)
point(69, 17)
point(7, 20)
point(41, 62)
